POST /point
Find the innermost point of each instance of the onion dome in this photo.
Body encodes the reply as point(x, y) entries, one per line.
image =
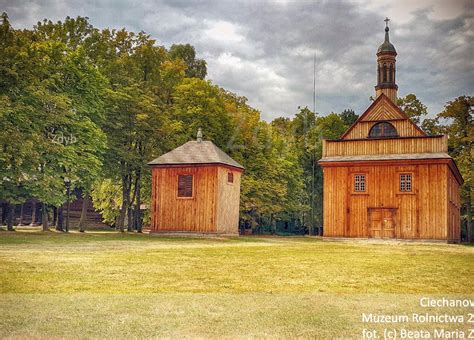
point(387, 45)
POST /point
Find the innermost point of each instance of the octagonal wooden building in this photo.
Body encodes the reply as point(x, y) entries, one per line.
point(195, 190)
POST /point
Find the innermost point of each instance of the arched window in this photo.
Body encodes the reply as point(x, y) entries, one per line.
point(384, 73)
point(391, 73)
point(383, 129)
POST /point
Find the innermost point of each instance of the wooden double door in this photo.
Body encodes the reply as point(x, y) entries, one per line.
point(382, 222)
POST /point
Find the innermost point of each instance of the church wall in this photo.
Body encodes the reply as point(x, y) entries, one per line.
point(421, 214)
point(454, 207)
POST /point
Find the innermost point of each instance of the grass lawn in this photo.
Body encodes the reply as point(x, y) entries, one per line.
point(128, 285)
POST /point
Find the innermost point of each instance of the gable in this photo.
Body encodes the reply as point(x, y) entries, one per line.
point(383, 110)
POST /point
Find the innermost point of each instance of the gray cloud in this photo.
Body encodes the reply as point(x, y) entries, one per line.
point(264, 50)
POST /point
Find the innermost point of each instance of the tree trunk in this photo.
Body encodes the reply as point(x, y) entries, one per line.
point(4, 214)
point(83, 219)
point(133, 212)
point(55, 216)
point(60, 219)
point(33, 213)
point(129, 219)
point(125, 203)
point(121, 217)
point(10, 215)
point(138, 214)
point(68, 204)
point(22, 209)
point(130, 208)
point(39, 215)
point(469, 219)
point(44, 219)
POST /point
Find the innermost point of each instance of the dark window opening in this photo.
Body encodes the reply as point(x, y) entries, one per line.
point(391, 73)
point(383, 129)
point(185, 185)
point(359, 183)
point(230, 177)
point(384, 73)
point(405, 182)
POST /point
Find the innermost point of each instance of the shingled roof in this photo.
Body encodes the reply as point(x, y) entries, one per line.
point(196, 152)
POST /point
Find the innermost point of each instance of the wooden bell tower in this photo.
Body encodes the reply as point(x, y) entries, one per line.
point(386, 68)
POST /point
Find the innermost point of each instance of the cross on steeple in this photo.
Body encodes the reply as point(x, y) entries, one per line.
point(386, 21)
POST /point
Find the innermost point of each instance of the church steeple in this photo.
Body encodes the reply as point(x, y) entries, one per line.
point(386, 54)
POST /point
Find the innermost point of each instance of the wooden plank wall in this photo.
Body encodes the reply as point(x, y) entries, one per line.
point(404, 128)
point(173, 214)
point(385, 146)
point(454, 206)
point(228, 201)
point(422, 214)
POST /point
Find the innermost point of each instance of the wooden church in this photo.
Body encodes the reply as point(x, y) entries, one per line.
point(195, 190)
point(385, 178)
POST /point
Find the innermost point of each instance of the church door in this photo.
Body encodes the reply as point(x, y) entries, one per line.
point(382, 222)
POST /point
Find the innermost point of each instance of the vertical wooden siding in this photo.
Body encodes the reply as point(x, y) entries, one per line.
point(422, 214)
point(404, 128)
point(454, 206)
point(173, 214)
point(228, 200)
point(385, 146)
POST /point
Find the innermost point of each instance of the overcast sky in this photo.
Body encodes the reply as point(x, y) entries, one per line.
point(264, 50)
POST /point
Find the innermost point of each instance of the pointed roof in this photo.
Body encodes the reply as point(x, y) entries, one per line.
point(382, 99)
point(386, 45)
point(196, 152)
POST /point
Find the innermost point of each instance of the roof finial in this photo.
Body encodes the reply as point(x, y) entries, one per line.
point(386, 29)
point(199, 136)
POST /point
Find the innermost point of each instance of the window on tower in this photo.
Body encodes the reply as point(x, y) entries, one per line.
point(383, 129)
point(185, 185)
point(384, 73)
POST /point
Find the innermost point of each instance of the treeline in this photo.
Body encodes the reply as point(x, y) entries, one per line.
point(87, 108)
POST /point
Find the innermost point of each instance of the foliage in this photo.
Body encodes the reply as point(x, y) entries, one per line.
point(459, 127)
point(107, 199)
point(195, 68)
point(52, 113)
point(348, 117)
point(413, 107)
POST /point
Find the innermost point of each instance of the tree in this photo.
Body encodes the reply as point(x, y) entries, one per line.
point(304, 130)
point(459, 114)
point(52, 106)
point(348, 117)
point(331, 126)
point(413, 107)
point(197, 103)
point(195, 68)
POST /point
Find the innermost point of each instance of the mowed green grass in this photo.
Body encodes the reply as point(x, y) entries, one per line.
point(127, 285)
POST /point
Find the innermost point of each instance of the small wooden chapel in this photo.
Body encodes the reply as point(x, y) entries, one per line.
point(385, 178)
point(195, 190)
